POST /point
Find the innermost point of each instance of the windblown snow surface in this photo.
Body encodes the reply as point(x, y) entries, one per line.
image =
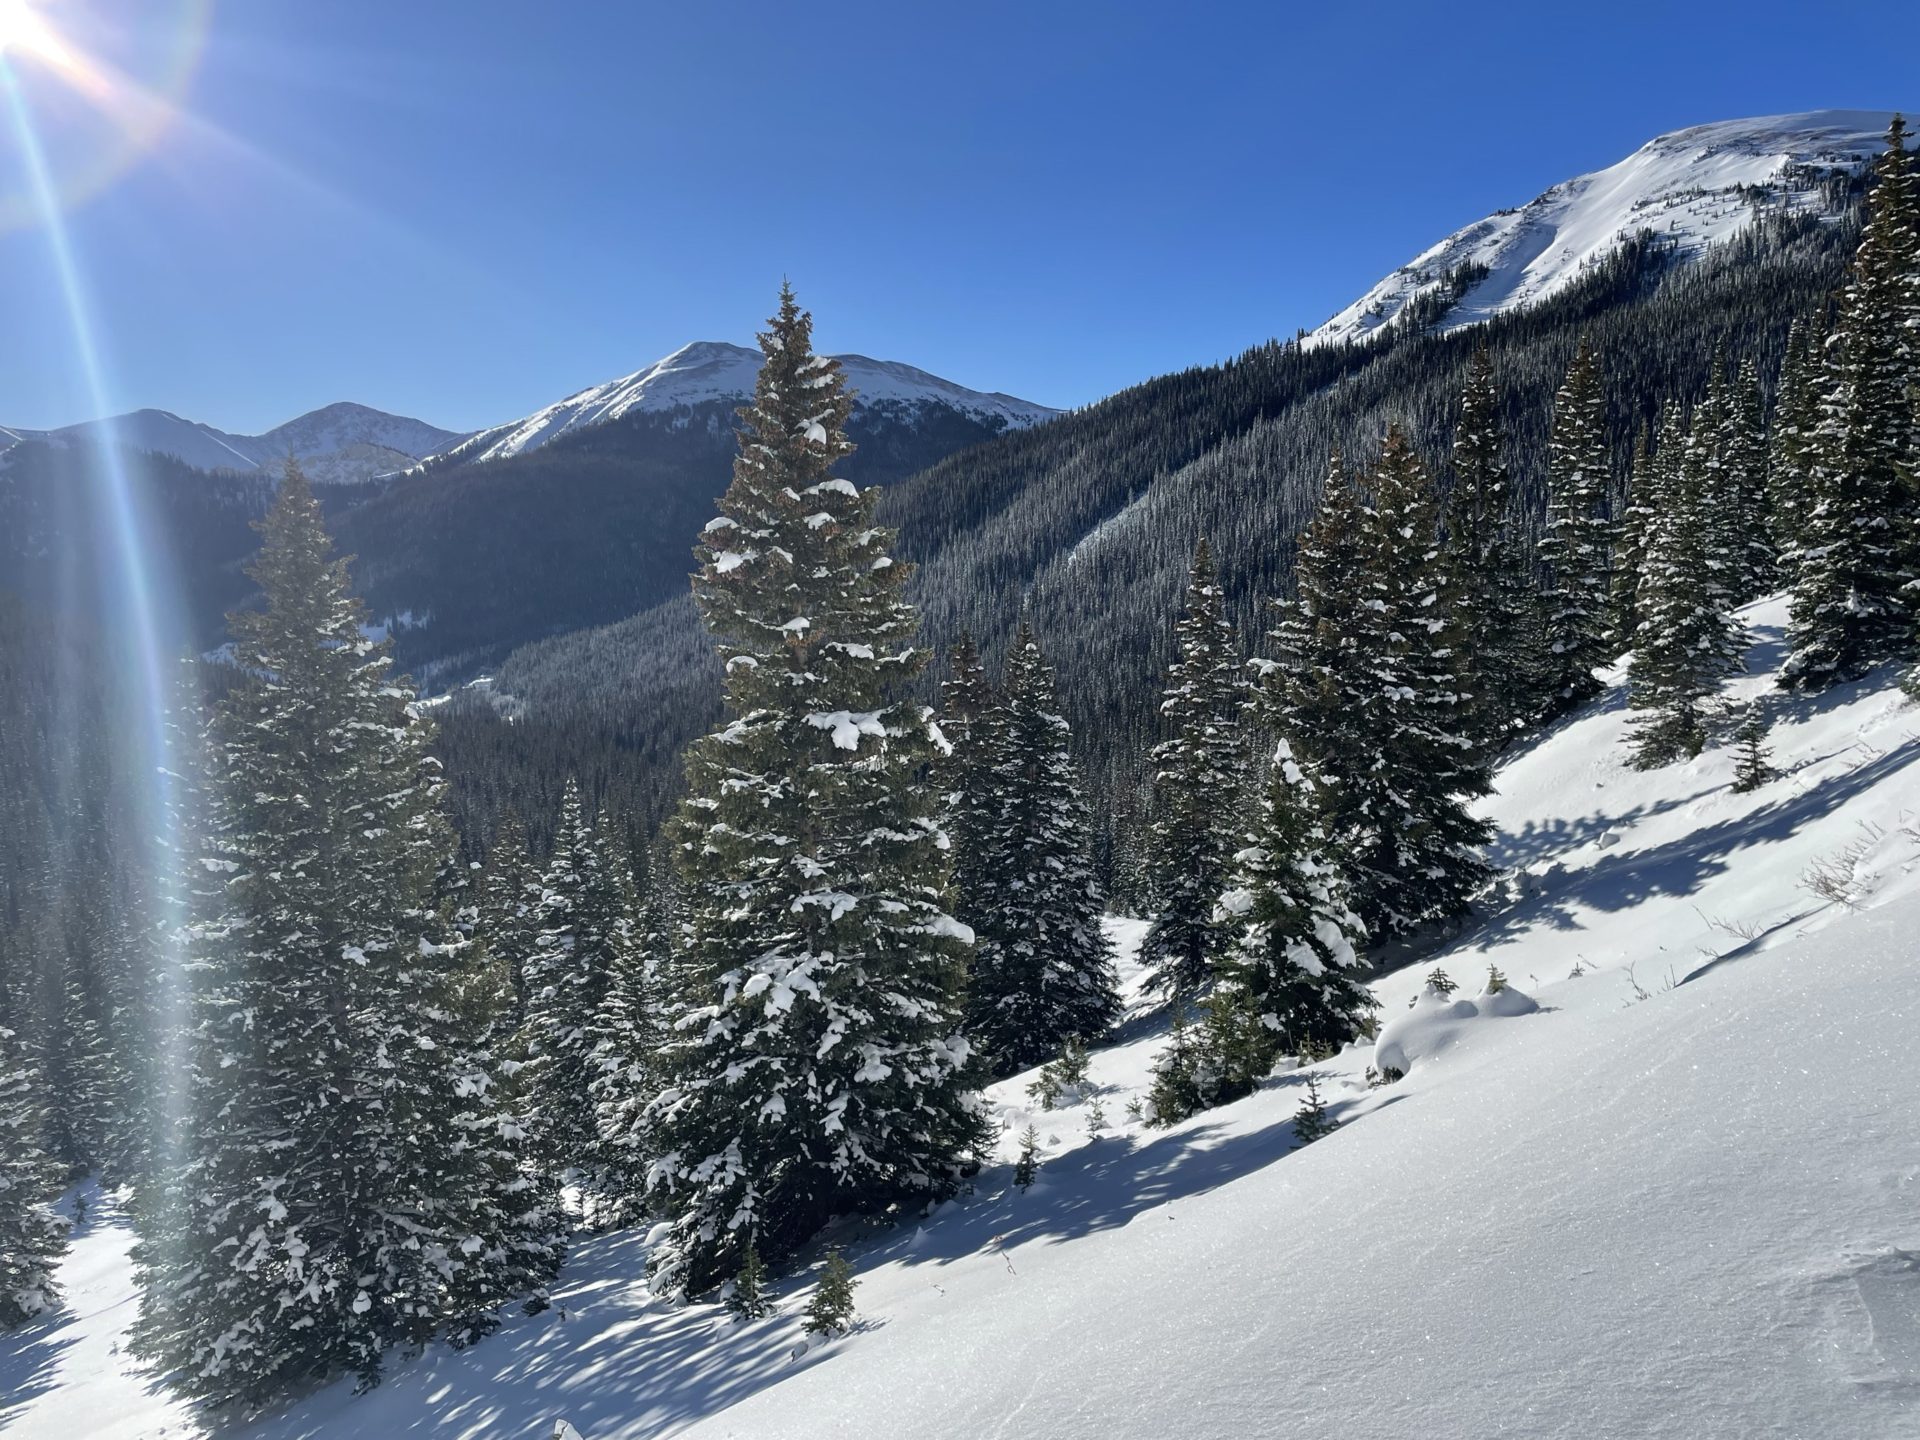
point(1693, 188)
point(1681, 1199)
point(712, 370)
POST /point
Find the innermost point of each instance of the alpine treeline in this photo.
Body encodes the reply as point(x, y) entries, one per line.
point(366, 1083)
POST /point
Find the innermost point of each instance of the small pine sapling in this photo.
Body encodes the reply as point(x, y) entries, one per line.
point(1314, 1122)
point(1496, 981)
point(1752, 763)
point(830, 1312)
point(1096, 1116)
point(749, 1300)
point(1441, 984)
point(1027, 1167)
point(1073, 1064)
point(1045, 1091)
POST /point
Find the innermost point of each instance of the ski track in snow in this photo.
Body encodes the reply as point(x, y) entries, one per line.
point(1681, 1201)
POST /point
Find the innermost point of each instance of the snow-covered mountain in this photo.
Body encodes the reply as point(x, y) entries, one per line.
point(339, 442)
point(709, 371)
point(1695, 188)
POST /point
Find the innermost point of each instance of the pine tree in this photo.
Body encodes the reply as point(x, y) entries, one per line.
point(1296, 953)
point(1850, 609)
point(510, 893)
point(1181, 1085)
point(830, 1312)
point(1042, 967)
point(1498, 664)
point(1197, 775)
point(1313, 1122)
point(1575, 548)
point(965, 777)
point(817, 1066)
point(1792, 448)
point(584, 936)
point(1689, 637)
point(1026, 1167)
point(627, 1039)
point(1752, 766)
point(331, 1201)
point(748, 1300)
point(1743, 449)
point(32, 1238)
point(1415, 862)
point(1296, 958)
point(1635, 518)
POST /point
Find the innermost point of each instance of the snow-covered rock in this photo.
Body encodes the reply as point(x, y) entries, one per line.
point(710, 371)
point(1694, 188)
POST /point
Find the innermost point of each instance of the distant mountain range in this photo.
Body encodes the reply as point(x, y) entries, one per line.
point(346, 443)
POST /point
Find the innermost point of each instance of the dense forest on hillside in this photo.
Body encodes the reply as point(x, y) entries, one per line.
point(1088, 523)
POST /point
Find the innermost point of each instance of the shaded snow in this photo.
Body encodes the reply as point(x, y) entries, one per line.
point(1696, 188)
point(1679, 1202)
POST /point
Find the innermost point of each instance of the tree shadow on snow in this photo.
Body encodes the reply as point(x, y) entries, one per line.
point(1683, 865)
point(29, 1362)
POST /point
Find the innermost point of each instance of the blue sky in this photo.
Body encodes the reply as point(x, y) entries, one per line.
point(463, 211)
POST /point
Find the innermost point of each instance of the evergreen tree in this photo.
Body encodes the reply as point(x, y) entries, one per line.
point(1792, 448)
point(1743, 456)
point(1042, 967)
point(748, 1300)
point(1313, 1122)
point(1575, 548)
point(965, 776)
point(1849, 609)
point(817, 1066)
point(627, 1038)
point(830, 1312)
point(1752, 767)
point(32, 1238)
point(1689, 638)
point(331, 1200)
point(1296, 959)
point(1026, 1167)
point(1498, 663)
point(1414, 863)
point(1635, 517)
point(510, 895)
point(1197, 775)
point(585, 933)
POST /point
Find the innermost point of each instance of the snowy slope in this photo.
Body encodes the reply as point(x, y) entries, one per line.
point(1697, 187)
point(1681, 1200)
point(710, 370)
point(338, 442)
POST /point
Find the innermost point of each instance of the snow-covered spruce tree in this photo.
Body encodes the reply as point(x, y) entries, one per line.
point(330, 1200)
point(1296, 959)
point(965, 776)
point(1752, 766)
point(1689, 638)
point(1791, 447)
point(585, 929)
point(510, 893)
point(1850, 609)
point(1198, 772)
point(627, 1037)
point(1632, 519)
point(1319, 688)
point(1415, 862)
point(32, 1238)
point(1743, 456)
point(1498, 663)
point(1576, 546)
point(1042, 966)
point(817, 1066)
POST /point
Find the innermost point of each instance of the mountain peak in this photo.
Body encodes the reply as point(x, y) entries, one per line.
point(714, 371)
point(1696, 187)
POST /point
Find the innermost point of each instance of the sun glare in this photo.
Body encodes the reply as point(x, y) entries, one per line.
point(24, 31)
